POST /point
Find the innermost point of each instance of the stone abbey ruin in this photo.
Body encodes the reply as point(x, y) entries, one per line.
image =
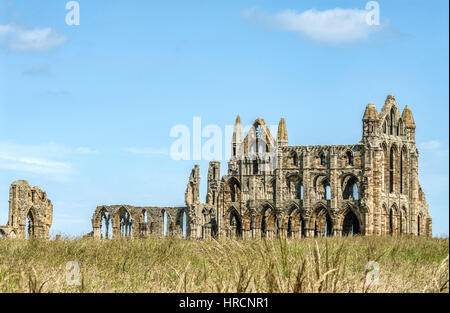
point(273, 189)
point(30, 212)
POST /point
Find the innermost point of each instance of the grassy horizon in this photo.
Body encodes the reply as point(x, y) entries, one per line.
point(334, 264)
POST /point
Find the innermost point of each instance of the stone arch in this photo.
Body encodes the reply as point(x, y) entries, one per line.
point(393, 220)
point(349, 158)
point(292, 160)
point(182, 222)
point(403, 168)
point(392, 119)
point(322, 158)
point(106, 230)
point(351, 222)
point(385, 125)
point(321, 222)
point(234, 224)
point(259, 139)
point(350, 187)
point(269, 223)
point(294, 184)
point(403, 221)
point(234, 188)
point(399, 130)
point(294, 223)
point(322, 189)
point(30, 224)
point(419, 224)
point(125, 223)
point(393, 168)
point(385, 167)
point(272, 189)
point(165, 222)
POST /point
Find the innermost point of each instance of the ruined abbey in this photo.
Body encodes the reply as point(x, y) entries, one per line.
point(273, 189)
point(30, 212)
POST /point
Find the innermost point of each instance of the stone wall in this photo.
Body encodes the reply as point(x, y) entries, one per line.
point(30, 212)
point(272, 189)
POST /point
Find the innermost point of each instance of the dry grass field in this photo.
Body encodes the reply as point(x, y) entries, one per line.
point(406, 264)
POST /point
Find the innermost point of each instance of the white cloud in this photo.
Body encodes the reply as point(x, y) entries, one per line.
point(49, 159)
point(147, 151)
point(16, 38)
point(334, 26)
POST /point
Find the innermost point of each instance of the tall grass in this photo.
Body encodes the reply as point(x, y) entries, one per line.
point(407, 264)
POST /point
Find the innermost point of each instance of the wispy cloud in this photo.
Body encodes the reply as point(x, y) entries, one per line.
point(336, 26)
point(16, 38)
point(49, 159)
point(86, 150)
point(431, 145)
point(147, 151)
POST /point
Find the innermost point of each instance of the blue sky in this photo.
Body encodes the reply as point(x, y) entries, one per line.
point(86, 111)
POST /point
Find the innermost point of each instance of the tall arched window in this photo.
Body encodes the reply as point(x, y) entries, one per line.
point(322, 158)
point(235, 190)
point(418, 225)
point(391, 126)
point(350, 188)
point(29, 226)
point(391, 170)
point(403, 170)
point(165, 223)
point(235, 225)
point(350, 225)
point(184, 224)
point(385, 168)
point(349, 158)
point(399, 127)
point(401, 222)
point(106, 225)
point(391, 222)
point(263, 226)
point(125, 225)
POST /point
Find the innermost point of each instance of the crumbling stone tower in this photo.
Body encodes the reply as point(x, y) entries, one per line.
point(30, 212)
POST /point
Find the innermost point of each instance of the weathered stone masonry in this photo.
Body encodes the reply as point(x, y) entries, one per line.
point(30, 212)
point(273, 189)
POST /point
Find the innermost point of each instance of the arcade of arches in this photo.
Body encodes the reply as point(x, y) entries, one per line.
point(272, 189)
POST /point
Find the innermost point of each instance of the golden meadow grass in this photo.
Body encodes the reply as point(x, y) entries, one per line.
point(407, 264)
